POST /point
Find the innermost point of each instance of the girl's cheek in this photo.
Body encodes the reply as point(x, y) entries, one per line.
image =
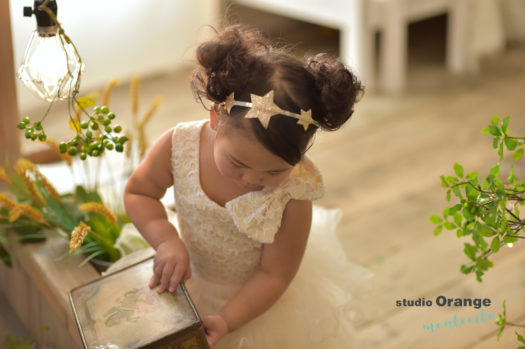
point(225, 168)
point(273, 181)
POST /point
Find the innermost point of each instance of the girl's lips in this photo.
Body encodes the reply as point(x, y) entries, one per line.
point(254, 187)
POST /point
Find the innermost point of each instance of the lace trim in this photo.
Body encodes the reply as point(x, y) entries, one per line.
point(218, 251)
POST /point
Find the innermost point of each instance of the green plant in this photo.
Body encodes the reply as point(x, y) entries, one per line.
point(93, 136)
point(37, 207)
point(501, 321)
point(488, 211)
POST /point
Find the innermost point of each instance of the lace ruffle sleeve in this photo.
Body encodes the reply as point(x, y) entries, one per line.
point(259, 214)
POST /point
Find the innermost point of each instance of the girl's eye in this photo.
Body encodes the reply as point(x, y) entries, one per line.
point(275, 173)
point(235, 164)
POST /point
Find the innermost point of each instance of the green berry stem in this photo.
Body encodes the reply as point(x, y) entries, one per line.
point(84, 142)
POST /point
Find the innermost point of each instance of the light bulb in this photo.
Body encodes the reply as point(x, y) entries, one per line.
point(51, 66)
point(44, 68)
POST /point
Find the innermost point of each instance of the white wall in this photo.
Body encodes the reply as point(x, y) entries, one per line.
point(120, 38)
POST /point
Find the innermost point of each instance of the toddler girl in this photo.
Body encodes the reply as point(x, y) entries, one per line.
point(243, 190)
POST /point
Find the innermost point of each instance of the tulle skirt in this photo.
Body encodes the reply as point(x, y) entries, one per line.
point(317, 310)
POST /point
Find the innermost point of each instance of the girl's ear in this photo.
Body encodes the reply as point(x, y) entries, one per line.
point(214, 117)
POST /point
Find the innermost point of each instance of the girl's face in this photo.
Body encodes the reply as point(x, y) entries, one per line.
point(241, 158)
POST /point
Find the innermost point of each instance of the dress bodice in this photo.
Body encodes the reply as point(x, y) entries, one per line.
point(225, 243)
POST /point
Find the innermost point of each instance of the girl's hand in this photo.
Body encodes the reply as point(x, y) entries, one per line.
point(171, 262)
point(215, 327)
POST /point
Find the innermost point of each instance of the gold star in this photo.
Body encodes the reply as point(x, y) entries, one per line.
point(263, 108)
point(229, 103)
point(306, 119)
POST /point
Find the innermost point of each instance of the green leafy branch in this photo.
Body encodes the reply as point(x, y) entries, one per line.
point(489, 210)
point(502, 322)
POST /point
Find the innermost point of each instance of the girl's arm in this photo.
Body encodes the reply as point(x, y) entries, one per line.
point(279, 264)
point(145, 187)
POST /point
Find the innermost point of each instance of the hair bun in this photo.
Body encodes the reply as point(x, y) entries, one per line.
point(228, 61)
point(339, 89)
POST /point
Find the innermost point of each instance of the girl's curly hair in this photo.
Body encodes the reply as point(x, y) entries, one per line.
point(243, 61)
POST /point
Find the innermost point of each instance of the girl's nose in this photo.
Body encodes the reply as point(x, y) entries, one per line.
point(252, 178)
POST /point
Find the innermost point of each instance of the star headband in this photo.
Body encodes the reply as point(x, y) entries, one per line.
point(264, 107)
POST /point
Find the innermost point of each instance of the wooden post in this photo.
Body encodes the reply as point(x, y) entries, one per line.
point(9, 135)
point(394, 46)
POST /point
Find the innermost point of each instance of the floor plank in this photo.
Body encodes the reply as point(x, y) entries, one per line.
point(404, 327)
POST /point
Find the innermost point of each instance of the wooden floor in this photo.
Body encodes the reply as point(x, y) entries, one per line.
point(382, 170)
point(10, 325)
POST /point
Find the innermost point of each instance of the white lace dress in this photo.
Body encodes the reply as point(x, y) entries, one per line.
point(225, 247)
